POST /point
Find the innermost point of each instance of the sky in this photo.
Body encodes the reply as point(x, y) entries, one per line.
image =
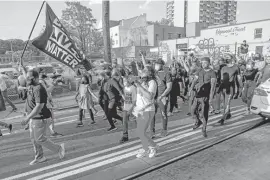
point(17, 17)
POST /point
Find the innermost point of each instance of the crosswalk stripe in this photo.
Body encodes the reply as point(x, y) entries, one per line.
point(121, 157)
point(104, 151)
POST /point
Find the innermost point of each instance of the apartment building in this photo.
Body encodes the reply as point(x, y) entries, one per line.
point(209, 13)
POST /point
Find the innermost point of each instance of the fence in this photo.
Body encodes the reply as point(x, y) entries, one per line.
point(63, 95)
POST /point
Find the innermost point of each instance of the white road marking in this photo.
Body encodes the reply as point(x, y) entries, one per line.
point(89, 166)
point(106, 150)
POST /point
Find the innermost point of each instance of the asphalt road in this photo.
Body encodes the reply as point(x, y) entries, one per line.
point(93, 153)
point(244, 157)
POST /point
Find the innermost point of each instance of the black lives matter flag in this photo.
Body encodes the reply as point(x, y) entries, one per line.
point(56, 42)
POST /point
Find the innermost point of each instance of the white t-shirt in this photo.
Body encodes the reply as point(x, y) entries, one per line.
point(3, 85)
point(142, 102)
point(130, 96)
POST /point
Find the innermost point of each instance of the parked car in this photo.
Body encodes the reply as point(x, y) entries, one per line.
point(10, 72)
point(260, 103)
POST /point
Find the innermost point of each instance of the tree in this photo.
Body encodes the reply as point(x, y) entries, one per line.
point(163, 21)
point(79, 21)
point(138, 36)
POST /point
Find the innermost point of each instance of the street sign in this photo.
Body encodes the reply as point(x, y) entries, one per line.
point(181, 46)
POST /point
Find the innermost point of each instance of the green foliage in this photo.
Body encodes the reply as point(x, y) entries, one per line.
point(79, 22)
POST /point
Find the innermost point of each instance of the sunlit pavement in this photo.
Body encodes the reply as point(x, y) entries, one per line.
point(93, 153)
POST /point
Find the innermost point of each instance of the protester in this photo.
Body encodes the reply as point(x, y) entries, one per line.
point(145, 111)
point(175, 92)
point(217, 67)
point(230, 74)
point(49, 88)
point(38, 116)
point(205, 89)
point(4, 91)
point(130, 92)
point(85, 101)
point(164, 81)
point(3, 108)
point(265, 71)
point(250, 81)
point(107, 98)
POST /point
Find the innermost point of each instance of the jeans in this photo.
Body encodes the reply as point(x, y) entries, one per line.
point(247, 93)
point(143, 121)
point(125, 123)
point(173, 100)
point(38, 137)
point(81, 114)
point(217, 100)
point(109, 108)
point(162, 106)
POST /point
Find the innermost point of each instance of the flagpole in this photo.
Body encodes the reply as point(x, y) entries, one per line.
point(31, 32)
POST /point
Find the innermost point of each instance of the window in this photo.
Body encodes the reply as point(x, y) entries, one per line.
point(116, 41)
point(258, 33)
point(179, 35)
point(170, 35)
point(157, 37)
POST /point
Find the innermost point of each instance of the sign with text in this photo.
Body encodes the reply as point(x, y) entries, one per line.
point(56, 42)
point(181, 46)
point(233, 31)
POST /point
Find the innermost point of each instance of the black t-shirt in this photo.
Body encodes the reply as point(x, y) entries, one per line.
point(37, 94)
point(250, 74)
point(163, 78)
point(204, 82)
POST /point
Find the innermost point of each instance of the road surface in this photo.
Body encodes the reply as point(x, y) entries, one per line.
point(93, 153)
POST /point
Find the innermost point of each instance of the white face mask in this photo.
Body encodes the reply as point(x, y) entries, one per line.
point(249, 66)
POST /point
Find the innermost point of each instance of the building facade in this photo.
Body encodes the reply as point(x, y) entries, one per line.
point(207, 12)
point(228, 38)
point(137, 32)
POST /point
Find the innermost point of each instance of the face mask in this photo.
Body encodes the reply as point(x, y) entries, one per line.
point(30, 82)
point(249, 67)
point(157, 67)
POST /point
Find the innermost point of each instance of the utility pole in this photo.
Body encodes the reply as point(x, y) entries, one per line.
point(106, 30)
point(11, 48)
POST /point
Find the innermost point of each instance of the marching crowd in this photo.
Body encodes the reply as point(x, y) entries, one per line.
point(141, 91)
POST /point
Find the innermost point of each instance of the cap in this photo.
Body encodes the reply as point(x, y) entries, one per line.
point(160, 61)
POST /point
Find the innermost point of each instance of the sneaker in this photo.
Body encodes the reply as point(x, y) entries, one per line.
point(188, 114)
point(26, 127)
point(90, 123)
point(142, 154)
point(152, 152)
point(62, 151)
point(152, 135)
point(170, 114)
point(164, 133)
point(10, 128)
point(123, 140)
point(112, 129)
point(37, 161)
point(221, 122)
point(80, 124)
point(55, 134)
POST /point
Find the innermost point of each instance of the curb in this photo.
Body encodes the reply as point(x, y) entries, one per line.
point(156, 167)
